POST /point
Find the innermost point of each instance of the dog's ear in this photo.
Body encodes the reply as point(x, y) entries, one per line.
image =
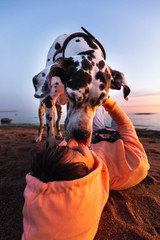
point(60, 69)
point(118, 81)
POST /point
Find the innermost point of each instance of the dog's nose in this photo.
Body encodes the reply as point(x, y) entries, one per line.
point(81, 135)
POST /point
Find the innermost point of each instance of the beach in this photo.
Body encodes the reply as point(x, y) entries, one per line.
point(129, 214)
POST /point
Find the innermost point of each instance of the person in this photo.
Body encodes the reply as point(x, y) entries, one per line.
point(98, 120)
point(69, 185)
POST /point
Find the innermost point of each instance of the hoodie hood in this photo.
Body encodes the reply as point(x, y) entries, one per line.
point(65, 209)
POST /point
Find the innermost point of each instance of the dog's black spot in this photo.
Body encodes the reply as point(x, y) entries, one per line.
point(55, 86)
point(102, 77)
point(87, 90)
point(86, 65)
point(84, 96)
point(92, 102)
point(48, 117)
point(102, 96)
point(101, 65)
point(89, 53)
point(65, 63)
point(89, 58)
point(97, 102)
point(92, 63)
point(48, 128)
point(101, 87)
point(79, 99)
point(57, 46)
point(45, 88)
point(48, 59)
point(71, 68)
point(80, 79)
point(90, 43)
point(57, 83)
point(77, 40)
point(43, 74)
point(48, 102)
point(76, 64)
point(35, 83)
point(104, 100)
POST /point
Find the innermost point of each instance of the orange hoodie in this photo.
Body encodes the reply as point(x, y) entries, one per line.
point(71, 210)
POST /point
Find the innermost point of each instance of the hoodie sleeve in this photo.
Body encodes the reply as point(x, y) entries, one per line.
point(128, 163)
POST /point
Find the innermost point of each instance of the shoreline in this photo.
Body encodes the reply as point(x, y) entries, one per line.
point(131, 212)
point(149, 121)
point(62, 126)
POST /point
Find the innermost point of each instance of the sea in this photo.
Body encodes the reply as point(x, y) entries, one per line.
point(150, 121)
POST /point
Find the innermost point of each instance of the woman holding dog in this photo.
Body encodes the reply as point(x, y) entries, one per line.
point(69, 185)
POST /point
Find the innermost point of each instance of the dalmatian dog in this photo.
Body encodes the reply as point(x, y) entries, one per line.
point(77, 72)
point(38, 80)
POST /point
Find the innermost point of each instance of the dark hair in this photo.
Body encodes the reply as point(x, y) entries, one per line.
point(51, 166)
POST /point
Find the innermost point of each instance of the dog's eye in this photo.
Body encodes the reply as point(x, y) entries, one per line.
point(43, 74)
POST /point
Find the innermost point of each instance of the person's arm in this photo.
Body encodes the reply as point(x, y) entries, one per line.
point(134, 166)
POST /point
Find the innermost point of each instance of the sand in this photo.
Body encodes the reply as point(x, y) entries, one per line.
point(129, 214)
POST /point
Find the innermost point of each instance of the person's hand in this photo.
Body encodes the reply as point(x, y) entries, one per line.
point(109, 104)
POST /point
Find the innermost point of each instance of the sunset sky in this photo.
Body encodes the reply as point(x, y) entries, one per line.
point(128, 30)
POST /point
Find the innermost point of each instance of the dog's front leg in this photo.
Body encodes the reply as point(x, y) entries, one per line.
point(59, 135)
point(41, 111)
point(50, 118)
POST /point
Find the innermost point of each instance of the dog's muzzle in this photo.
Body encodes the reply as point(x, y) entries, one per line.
point(81, 135)
point(78, 125)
